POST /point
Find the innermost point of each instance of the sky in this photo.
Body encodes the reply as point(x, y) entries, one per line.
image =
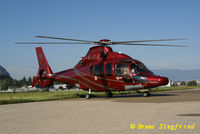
point(117, 20)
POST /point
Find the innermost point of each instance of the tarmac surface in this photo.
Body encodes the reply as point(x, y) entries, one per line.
point(176, 112)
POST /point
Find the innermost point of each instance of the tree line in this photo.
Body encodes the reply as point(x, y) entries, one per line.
point(6, 82)
point(189, 83)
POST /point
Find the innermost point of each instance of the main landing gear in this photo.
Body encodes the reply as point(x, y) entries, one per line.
point(109, 94)
point(88, 96)
point(147, 93)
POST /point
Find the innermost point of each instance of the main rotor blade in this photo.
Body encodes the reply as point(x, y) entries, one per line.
point(122, 42)
point(64, 39)
point(51, 43)
point(155, 45)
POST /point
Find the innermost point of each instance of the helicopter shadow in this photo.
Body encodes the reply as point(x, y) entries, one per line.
point(136, 96)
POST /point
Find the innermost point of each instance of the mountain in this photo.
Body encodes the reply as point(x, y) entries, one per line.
point(179, 75)
point(3, 72)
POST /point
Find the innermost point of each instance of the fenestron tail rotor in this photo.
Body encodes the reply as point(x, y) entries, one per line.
point(104, 42)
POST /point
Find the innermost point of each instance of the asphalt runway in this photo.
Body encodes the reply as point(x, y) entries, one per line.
point(176, 112)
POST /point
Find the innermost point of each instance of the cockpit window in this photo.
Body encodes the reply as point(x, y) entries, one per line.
point(121, 69)
point(138, 68)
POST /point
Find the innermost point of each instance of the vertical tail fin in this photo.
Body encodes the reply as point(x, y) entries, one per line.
point(44, 75)
point(44, 67)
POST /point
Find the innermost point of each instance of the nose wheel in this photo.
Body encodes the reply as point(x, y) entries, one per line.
point(147, 93)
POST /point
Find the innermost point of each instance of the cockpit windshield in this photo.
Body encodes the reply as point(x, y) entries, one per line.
point(138, 68)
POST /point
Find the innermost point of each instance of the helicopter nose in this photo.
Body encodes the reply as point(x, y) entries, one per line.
point(158, 80)
point(163, 80)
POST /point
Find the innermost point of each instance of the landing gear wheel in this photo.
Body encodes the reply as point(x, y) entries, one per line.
point(109, 94)
point(146, 94)
point(88, 96)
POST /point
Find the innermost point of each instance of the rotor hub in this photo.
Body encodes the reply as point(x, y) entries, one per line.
point(104, 42)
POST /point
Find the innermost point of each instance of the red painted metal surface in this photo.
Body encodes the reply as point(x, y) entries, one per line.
point(83, 74)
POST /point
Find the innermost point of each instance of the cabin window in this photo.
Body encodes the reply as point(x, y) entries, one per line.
point(98, 70)
point(91, 70)
point(109, 69)
point(121, 69)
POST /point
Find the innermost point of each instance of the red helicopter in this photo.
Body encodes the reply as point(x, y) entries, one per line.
point(102, 69)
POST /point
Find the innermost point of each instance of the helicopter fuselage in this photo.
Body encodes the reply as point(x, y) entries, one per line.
point(103, 70)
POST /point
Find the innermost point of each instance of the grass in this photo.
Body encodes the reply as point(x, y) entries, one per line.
point(11, 98)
